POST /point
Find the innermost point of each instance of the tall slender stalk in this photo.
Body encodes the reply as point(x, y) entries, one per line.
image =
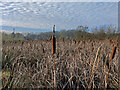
point(112, 56)
point(93, 68)
point(53, 52)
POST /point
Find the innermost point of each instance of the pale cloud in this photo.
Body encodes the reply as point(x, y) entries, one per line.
point(61, 0)
point(64, 15)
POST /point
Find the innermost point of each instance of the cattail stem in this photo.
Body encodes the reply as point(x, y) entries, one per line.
point(54, 71)
point(53, 52)
point(112, 56)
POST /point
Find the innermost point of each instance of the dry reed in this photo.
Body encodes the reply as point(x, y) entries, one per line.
point(53, 52)
point(112, 56)
point(93, 68)
point(75, 65)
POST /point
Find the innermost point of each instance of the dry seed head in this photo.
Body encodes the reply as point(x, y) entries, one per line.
point(53, 41)
point(50, 38)
point(92, 49)
point(54, 30)
point(113, 52)
point(53, 45)
point(92, 44)
point(43, 51)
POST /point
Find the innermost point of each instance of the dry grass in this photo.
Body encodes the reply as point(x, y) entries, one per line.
point(79, 64)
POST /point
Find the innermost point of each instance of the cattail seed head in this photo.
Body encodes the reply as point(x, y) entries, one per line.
point(92, 49)
point(92, 44)
point(53, 41)
point(50, 38)
point(113, 52)
point(43, 50)
point(54, 30)
point(53, 45)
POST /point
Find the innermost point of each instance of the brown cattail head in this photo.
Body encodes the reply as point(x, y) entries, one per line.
point(53, 41)
point(113, 52)
point(50, 38)
point(54, 30)
point(43, 51)
point(53, 45)
point(92, 49)
point(92, 44)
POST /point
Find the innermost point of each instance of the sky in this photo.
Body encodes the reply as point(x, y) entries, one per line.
point(61, 0)
point(41, 16)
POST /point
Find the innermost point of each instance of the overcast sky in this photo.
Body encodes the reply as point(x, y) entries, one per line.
point(65, 15)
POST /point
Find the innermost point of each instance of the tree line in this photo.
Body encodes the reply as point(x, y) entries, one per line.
point(80, 33)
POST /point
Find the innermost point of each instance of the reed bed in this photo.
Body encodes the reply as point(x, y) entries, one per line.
point(78, 64)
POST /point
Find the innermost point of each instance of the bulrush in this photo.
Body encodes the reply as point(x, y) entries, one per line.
point(92, 49)
point(53, 45)
point(53, 52)
point(113, 52)
point(53, 41)
point(50, 38)
point(112, 56)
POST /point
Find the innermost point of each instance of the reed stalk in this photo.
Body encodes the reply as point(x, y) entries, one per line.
point(112, 56)
point(93, 68)
point(53, 52)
